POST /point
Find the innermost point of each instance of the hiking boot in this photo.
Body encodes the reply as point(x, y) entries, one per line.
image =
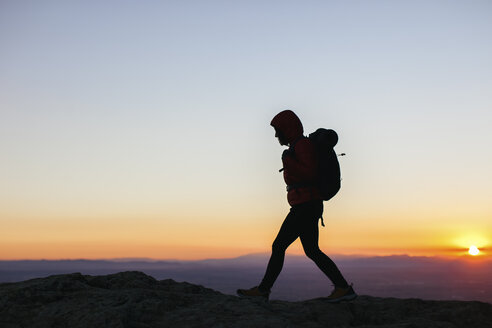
point(254, 292)
point(341, 294)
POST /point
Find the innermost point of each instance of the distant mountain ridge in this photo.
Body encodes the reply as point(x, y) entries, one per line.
point(386, 276)
point(134, 299)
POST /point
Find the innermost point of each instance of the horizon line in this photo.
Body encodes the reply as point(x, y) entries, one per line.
point(150, 259)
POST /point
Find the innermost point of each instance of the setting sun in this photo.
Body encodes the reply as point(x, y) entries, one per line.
point(473, 250)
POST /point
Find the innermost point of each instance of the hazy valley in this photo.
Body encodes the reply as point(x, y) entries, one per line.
point(391, 276)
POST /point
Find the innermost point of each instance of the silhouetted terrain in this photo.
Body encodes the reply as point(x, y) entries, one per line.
point(133, 299)
point(391, 276)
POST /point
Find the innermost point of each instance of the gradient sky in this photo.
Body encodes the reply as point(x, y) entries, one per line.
point(141, 128)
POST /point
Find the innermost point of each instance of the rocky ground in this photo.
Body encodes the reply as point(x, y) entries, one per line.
point(133, 299)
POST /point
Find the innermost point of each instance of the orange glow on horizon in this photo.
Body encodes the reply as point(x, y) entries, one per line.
point(189, 237)
point(78, 250)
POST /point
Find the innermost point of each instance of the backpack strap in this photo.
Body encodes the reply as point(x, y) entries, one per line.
point(292, 149)
point(293, 144)
point(301, 184)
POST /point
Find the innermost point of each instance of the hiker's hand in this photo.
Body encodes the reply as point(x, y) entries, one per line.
point(286, 153)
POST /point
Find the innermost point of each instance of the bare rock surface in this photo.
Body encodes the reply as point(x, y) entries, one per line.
point(133, 299)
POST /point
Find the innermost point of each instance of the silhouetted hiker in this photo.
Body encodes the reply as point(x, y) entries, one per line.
point(300, 170)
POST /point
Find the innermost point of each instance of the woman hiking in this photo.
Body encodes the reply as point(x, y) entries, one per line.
point(300, 167)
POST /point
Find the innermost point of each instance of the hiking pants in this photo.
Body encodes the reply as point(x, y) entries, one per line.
point(302, 221)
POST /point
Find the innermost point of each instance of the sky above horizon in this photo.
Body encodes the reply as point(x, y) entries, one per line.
point(141, 129)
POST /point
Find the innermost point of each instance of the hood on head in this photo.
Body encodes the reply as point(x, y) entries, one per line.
point(288, 124)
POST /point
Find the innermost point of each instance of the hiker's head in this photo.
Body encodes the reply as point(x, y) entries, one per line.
point(281, 138)
point(287, 126)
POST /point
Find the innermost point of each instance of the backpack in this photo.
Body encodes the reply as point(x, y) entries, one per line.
point(328, 180)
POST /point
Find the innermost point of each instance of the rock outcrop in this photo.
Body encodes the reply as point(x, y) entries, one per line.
point(133, 299)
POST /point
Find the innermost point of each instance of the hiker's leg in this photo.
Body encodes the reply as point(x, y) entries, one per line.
point(289, 231)
point(309, 239)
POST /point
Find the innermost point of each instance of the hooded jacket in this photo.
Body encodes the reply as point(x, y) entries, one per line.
point(300, 162)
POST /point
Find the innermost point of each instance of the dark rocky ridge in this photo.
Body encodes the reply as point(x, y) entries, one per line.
point(133, 299)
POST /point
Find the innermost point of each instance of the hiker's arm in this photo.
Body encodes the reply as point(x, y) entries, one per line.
point(302, 167)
